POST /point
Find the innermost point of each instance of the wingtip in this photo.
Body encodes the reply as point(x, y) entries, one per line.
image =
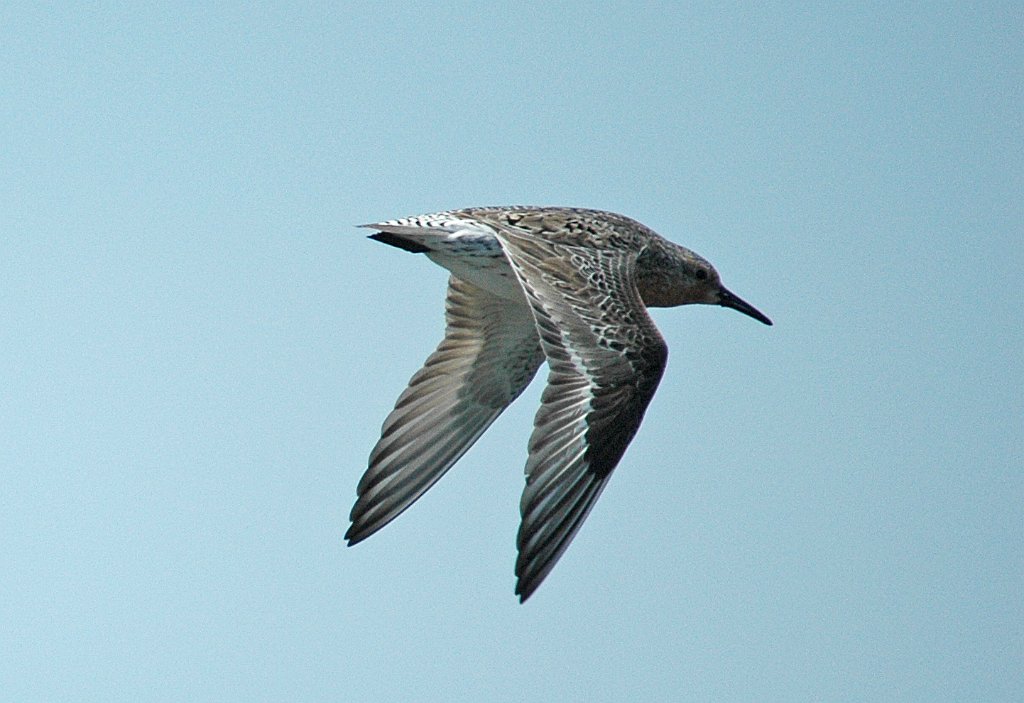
point(352, 538)
point(523, 594)
point(526, 585)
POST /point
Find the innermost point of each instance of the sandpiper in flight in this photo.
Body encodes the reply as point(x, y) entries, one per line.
point(529, 284)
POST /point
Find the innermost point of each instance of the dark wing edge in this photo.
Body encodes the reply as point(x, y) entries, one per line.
point(606, 358)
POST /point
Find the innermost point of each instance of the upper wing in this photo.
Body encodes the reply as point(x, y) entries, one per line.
point(489, 354)
point(606, 358)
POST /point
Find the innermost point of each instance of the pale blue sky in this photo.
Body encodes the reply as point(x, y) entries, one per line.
point(199, 349)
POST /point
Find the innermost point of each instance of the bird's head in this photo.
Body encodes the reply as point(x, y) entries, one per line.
point(677, 276)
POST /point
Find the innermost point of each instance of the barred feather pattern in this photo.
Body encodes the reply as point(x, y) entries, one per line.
point(489, 354)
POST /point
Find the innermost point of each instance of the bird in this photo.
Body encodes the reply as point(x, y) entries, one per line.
point(528, 285)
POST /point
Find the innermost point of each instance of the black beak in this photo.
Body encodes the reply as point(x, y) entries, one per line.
point(728, 300)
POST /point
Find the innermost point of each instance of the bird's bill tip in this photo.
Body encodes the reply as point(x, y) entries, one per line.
point(727, 299)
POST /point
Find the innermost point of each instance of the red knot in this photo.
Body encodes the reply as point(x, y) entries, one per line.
point(531, 284)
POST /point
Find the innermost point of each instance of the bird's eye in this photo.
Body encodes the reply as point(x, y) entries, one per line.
point(702, 274)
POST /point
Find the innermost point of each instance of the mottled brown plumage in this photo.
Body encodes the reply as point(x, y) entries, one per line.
point(566, 285)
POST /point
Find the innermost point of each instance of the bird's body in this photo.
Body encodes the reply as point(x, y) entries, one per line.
point(565, 285)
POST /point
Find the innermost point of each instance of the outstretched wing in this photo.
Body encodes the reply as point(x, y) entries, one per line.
point(606, 358)
point(489, 354)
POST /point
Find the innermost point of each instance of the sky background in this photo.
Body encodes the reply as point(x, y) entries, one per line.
point(199, 349)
